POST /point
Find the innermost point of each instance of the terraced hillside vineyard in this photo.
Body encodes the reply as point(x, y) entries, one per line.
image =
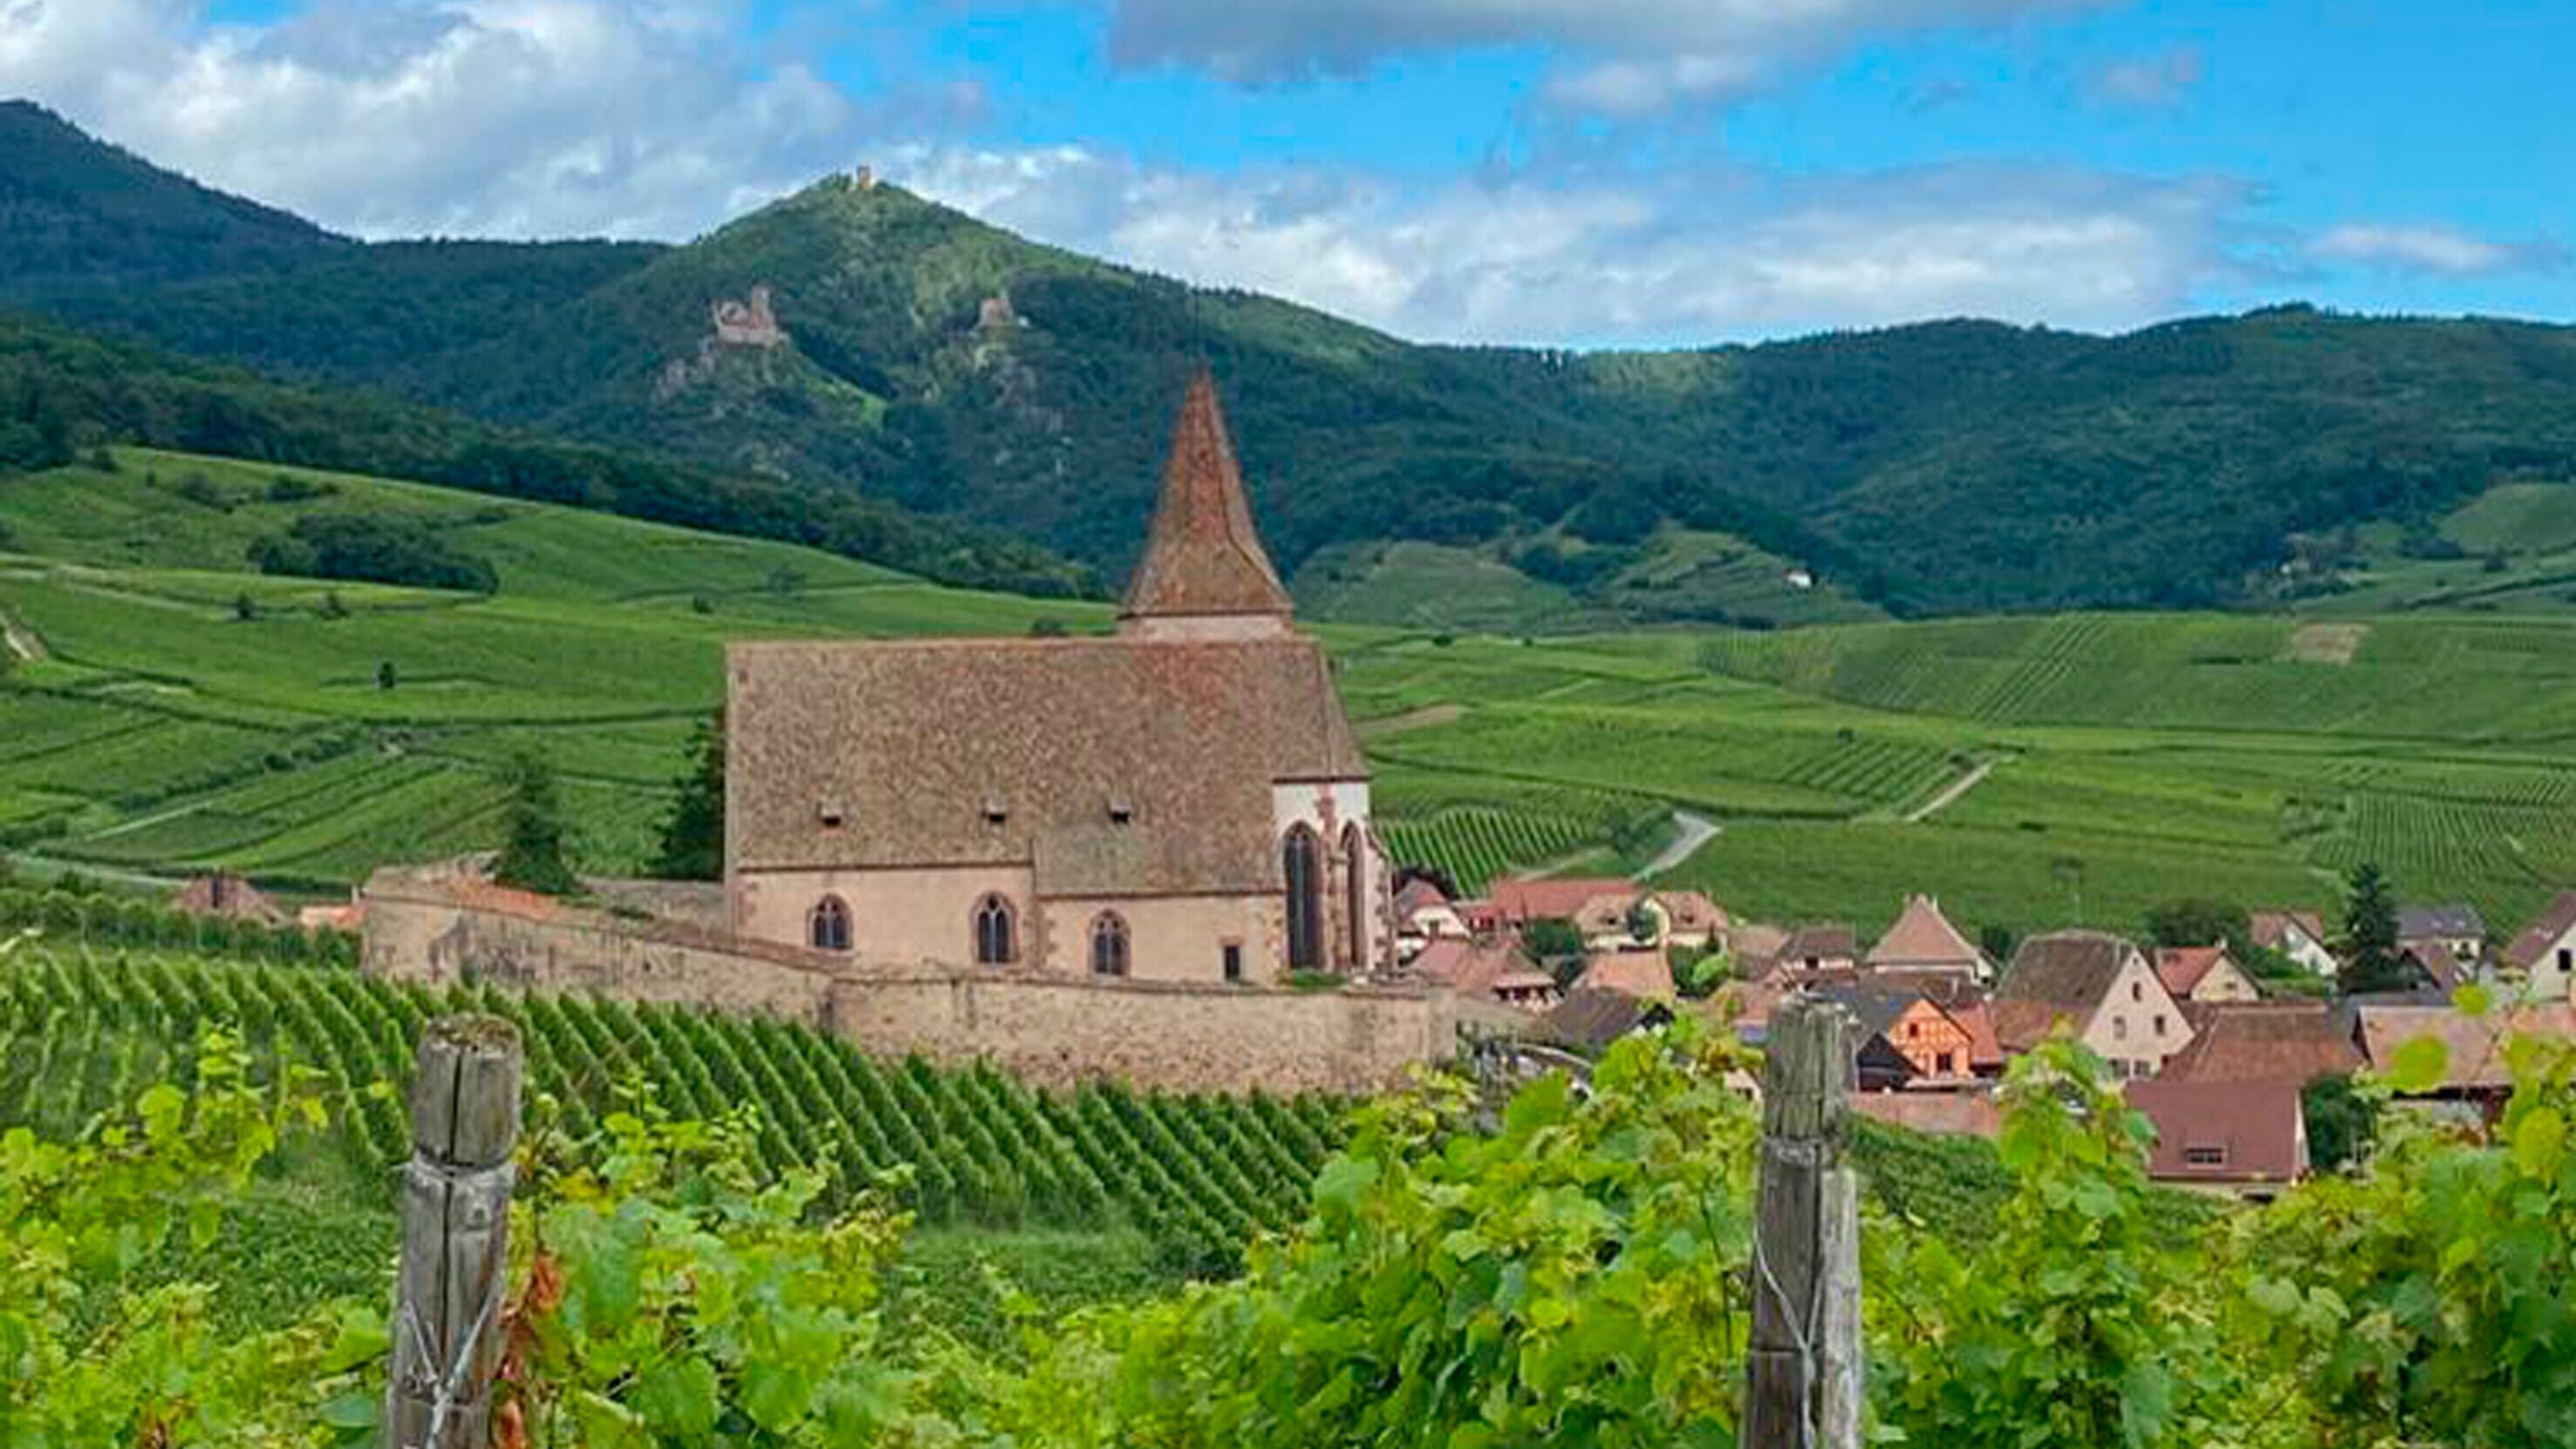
point(168, 708)
point(81, 1032)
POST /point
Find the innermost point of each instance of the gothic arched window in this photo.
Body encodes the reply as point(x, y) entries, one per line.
point(1302, 863)
point(1355, 886)
point(1108, 944)
point(827, 927)
point(996, 932)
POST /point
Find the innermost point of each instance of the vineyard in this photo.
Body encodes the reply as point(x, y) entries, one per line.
point(185, 713)
point(80, 1031)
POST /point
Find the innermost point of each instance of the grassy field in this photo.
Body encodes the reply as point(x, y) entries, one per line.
point(183, 711)
point(1680, 575)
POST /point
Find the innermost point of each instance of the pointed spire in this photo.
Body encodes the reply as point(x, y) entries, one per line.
point(1204, 558)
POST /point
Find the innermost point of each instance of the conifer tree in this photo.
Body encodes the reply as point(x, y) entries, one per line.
point(536, 850)
point(693, 833)
point(2370, 959)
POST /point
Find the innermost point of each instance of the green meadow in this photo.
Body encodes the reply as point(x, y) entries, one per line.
point(169, 708)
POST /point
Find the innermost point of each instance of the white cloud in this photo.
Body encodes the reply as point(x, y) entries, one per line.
point(1712, 253)
point(1621, 57)
point(510, 117)
point(2154, 80)
point(649, 118)
point(2443, 250)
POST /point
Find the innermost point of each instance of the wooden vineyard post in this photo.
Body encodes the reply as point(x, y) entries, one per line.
point(1803, 1370)
point(455, 1244)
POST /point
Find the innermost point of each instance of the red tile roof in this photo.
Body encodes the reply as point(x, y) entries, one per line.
point(230, 897)
point(1641, 974)
point(1204, 557)
point(1468, 967)
point(2544, 933)
point(2272, 927)
point(2439, 963)
point(1023, 751)
point(2473, 1046)
point(1541, 898)
point(2182, 968)
point(1823, 942)
point(1692, 910)
point(2230, 1132)
point(1922, 939)
point(1976, 1017)
point(1417, 894)
point(2265, 1041)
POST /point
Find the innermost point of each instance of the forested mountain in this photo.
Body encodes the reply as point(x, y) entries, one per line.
point(62, 393)
point(74, 212)
point(877, 343)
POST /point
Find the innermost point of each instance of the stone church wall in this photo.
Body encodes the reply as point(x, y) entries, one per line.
point(1054, 1029)
point(442, 931)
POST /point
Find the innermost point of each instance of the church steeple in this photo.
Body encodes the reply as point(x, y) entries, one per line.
point(1204, 572)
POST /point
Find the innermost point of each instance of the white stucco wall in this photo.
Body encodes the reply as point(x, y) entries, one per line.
point(2123, 1029)
point(1328, 807)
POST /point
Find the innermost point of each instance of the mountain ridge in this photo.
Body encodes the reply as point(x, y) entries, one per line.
point(923, 357)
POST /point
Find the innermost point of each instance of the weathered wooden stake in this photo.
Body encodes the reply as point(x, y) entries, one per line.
point(456, 1224)
point(1803, 1373)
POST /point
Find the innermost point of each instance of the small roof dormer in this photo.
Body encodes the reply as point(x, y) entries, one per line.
point(1204, 573)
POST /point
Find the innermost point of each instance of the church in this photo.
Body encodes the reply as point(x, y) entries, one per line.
point(1182, 801)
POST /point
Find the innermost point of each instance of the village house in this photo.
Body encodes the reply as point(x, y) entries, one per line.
point(1756, 946)
point(1588, 1021)
point(1922, 947)
point(1520, 901)
point(2294, 1041)
point(1182, 802)
point(1612, 914)
point(2437, 968)
point(1491, 969)
point(1636, 916)
point(1423, 912)
point(1642, 973)
point(2456, 927)
point(1907, 1039)
point(2247, 1138)
point(2298, 935)
point(2102, 989)
point(2540, 965)
point(225, 896)
point(2204, 974)
point(1820, 952)
point(2476, 1078)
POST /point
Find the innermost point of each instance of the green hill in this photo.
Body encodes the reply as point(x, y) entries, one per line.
point(76, 211)
point(185, 708)
point(925, 358)
point(169, 706)
point(62, 393)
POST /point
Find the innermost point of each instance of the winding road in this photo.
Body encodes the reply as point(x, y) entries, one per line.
point(1691, 832)
point(22, 641)
point(1950, 793)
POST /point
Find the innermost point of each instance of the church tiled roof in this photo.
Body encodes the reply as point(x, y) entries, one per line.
point(1204, 556)
point(1030, 751)
point(1923, 939)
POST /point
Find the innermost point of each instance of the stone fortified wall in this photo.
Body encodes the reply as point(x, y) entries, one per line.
point(1059, 1030)
point(441, 926)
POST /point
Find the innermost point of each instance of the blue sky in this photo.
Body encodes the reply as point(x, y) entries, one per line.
point(1577, 172)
